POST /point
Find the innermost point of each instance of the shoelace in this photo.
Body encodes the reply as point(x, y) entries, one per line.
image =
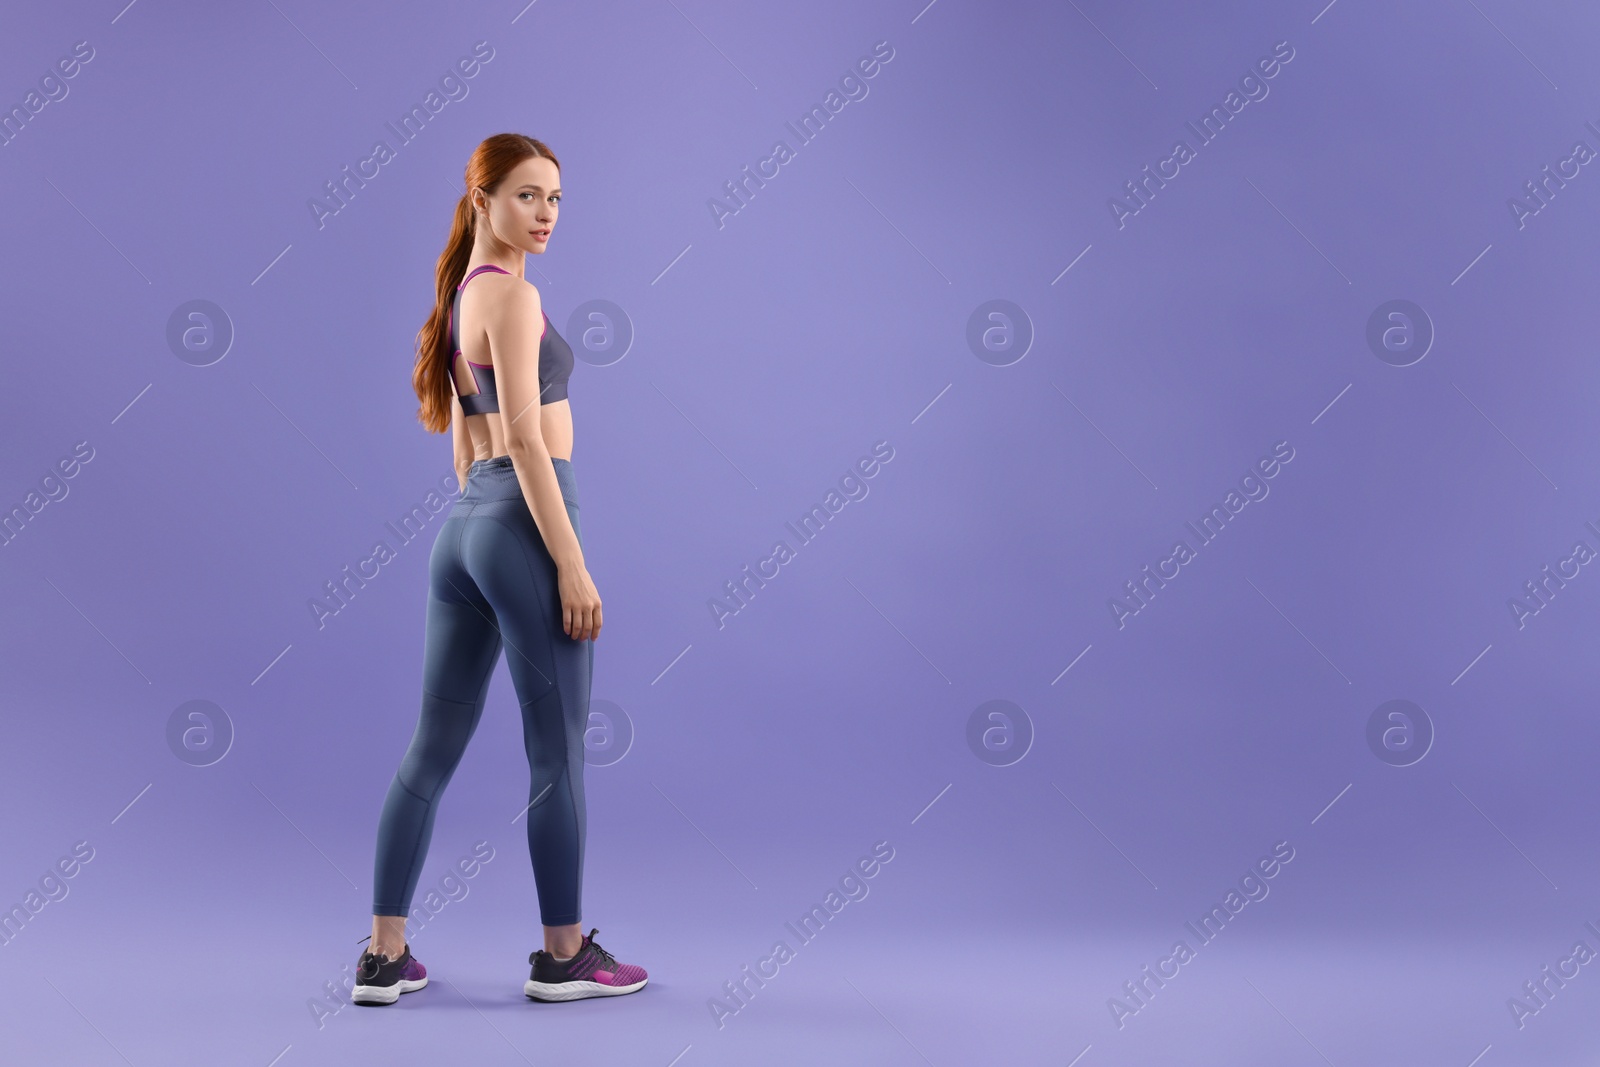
point(608, 961)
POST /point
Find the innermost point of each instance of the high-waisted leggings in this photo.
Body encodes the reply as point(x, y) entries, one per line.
point(491, 581)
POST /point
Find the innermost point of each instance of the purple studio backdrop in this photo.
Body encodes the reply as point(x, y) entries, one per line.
point(1122, 475)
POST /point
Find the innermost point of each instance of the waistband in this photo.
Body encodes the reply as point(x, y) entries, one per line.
point(496, 479)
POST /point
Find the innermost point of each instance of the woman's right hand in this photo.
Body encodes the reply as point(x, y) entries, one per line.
point(580, 603)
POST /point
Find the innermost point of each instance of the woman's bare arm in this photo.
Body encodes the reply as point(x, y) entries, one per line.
point(460, 443)
point(514, 324)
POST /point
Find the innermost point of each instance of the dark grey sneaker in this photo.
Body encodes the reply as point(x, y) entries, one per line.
point(380, 980)
point(591, 972)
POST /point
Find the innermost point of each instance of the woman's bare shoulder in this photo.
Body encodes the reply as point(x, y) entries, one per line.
point(511, 286)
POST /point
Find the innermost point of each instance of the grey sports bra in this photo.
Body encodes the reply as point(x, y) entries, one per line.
point(555, 361)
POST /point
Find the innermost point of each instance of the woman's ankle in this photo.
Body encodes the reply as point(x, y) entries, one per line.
point(388, 936)
point(563, 942)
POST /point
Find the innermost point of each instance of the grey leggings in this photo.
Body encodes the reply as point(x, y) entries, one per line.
point(491, 580)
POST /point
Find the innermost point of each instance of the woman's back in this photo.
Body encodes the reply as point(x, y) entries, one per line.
point(474, 369)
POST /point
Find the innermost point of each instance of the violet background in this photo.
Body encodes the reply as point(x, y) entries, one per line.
point(832, 712)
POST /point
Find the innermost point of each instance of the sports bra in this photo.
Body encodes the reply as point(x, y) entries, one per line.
point(555, 361)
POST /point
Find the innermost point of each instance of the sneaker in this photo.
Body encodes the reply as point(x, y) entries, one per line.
point(591, 972)
point(380, 980)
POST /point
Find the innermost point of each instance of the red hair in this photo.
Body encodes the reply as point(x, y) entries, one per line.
point(491, 162)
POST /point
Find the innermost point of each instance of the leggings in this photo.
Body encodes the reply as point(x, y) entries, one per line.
point(491, 579)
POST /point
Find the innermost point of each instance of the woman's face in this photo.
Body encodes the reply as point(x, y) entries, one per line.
point(522, 212)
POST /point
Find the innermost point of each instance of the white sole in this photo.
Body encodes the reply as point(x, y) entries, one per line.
point(384, 994)
point(576, 990)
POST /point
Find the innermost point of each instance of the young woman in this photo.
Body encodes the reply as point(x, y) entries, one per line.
point(506, 567)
